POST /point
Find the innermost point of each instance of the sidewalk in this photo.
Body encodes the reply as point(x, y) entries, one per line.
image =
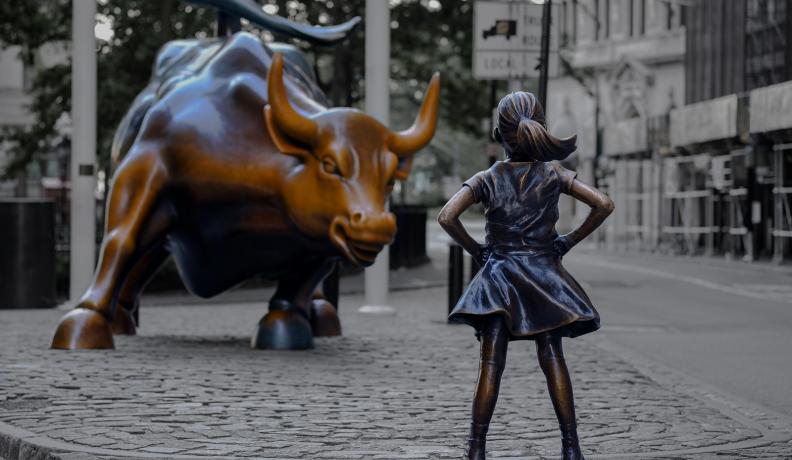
point(391, 388)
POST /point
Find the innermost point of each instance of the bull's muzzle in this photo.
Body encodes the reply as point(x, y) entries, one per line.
point(361, 236)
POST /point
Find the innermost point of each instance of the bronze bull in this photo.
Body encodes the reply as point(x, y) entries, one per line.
point(229, 162)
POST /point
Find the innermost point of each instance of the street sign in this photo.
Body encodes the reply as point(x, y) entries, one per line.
point(507, 40)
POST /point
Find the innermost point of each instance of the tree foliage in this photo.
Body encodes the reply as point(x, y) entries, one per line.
point(31, 25)
point(426, 36)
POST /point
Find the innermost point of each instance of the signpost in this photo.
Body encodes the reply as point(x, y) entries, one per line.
point(507, 40)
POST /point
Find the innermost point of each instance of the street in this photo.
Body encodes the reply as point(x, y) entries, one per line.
point(724, 324)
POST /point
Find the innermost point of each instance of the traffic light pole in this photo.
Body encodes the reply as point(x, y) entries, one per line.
point(377, 52)
point(545, 52)
point(83, 148)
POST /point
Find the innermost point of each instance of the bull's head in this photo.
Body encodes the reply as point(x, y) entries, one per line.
point(348, 164)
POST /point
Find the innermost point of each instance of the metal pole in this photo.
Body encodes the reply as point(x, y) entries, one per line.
point(456, 277)
point(83, 148)
point(546, 9)
point(377, 44)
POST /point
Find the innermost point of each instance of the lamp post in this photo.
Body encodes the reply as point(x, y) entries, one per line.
point(83, 148)
point(377, 49)
point(545, 52)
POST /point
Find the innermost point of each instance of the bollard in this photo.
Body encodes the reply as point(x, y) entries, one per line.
point(456, 275)
point(474, 268)
point(330, 285)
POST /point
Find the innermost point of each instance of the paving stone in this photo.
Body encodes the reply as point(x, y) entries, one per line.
point(390, 388)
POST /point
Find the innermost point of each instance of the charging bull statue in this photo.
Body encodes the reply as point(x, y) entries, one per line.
point(229, 162)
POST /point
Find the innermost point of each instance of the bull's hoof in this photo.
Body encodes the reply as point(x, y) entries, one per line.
point(284, 329)
point(123, 324)
point(82, 328)
point(324, 319)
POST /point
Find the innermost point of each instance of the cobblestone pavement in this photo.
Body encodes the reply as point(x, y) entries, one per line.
point(391, 388)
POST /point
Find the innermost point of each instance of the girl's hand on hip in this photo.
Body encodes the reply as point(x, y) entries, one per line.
point(483, 255)
point(562, 244)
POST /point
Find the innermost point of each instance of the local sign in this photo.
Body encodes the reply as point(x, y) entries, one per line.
point(507, 40)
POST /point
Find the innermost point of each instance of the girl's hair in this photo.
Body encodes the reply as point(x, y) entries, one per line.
point(520, 126)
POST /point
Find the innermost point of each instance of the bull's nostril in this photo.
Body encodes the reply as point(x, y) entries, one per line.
point(357, 218)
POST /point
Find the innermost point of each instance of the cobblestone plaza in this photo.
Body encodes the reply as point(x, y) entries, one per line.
point(392, 387)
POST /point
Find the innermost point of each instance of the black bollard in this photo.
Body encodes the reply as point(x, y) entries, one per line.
point(330, 285)
point(456, 275)
point(474, 268)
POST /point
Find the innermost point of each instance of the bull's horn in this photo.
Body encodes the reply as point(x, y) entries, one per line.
point(295, 125)
point(420, 133)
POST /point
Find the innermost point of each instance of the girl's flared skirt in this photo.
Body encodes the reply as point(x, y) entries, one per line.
point(532, 292)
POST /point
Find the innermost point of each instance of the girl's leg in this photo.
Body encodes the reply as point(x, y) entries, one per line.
point(551, 360)
point(494, 339)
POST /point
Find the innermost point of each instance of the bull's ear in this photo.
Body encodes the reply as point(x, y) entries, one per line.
point(403, 170)
point(281, 140)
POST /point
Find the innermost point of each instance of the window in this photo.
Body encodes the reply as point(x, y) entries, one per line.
point(597, 20)
point(642, 18)
point(574, 21)
point(631, 18)
point(565, 24)
point(669, 16)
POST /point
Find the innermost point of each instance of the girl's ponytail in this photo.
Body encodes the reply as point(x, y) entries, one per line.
point(521, 128)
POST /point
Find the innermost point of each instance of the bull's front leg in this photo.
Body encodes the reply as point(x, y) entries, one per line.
point(287, 325)
point(135, 224)
point(129, 297)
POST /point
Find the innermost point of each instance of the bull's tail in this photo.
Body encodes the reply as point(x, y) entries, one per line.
point(249, 10)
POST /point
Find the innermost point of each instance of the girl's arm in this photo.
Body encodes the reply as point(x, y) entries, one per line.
point(449, 220)
point(601, 207)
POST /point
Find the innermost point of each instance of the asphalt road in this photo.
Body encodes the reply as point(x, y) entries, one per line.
point(727, 324)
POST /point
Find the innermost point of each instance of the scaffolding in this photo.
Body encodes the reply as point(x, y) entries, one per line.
point(688, 205)
point(634, 189)
point(731, 180)
point(782, 195)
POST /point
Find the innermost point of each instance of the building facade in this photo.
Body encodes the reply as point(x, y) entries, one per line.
point(622, 73)
point(683, 112)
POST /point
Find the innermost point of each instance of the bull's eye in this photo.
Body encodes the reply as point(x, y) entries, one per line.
point(330, 167)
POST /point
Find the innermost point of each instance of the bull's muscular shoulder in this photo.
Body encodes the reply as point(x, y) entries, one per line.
point(224, 77)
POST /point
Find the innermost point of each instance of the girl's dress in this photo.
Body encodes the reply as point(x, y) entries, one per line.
point(523, 279)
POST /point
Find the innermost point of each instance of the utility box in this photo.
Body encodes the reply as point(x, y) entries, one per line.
point(27, 253)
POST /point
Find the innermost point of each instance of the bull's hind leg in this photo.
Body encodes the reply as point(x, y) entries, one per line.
point(129, 299)
point(287, 324)
point(323, 314)
point(135, 224)
point(324, 318)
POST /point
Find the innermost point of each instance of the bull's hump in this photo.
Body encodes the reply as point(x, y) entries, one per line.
point(183, 60)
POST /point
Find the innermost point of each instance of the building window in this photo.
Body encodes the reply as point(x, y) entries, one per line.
point(642, 18)
point(631, 18)
point(574, 21)
point(682, 15)
point(564, 24)
point(669, 16)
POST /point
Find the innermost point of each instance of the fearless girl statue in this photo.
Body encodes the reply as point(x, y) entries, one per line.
point(522, 291)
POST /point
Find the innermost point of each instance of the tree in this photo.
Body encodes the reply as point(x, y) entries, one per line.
point(31, 25)
point(427, 36)
point(126, 57)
